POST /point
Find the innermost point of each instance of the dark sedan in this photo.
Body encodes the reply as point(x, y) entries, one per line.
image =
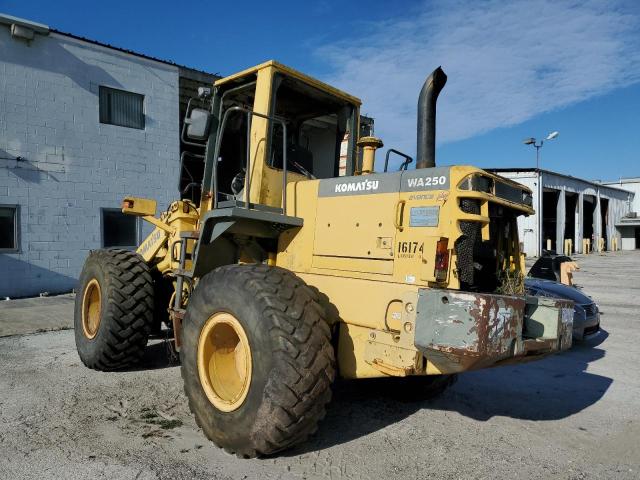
point(586, 316)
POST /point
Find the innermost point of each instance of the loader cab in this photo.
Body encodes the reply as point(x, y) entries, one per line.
point(271, 125)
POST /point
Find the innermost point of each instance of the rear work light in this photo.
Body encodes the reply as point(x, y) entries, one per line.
point(442, 260)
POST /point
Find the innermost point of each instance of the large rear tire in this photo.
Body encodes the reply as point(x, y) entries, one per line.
point(113, 309)
point(257, 360)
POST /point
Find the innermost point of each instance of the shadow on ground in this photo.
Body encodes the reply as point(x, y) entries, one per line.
point(549, 389)
point(158, 354)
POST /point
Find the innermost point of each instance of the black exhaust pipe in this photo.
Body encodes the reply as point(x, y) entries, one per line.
point(426, 154)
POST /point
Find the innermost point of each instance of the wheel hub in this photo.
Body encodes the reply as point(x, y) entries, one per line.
point(91, 308)
point(224, 361)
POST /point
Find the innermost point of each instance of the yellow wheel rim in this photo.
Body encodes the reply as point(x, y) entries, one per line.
point(91, 308)
point(224, 361)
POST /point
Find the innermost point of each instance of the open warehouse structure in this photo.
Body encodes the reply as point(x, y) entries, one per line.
point(572, 215)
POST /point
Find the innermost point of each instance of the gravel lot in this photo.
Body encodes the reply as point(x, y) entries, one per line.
point(572, 416)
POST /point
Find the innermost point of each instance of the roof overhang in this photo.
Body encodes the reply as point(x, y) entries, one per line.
point(541, 171)
point(24, 29)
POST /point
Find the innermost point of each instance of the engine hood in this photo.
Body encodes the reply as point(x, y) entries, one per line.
point(537, 286)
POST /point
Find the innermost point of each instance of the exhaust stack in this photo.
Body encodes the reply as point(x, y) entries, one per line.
point(426, 148)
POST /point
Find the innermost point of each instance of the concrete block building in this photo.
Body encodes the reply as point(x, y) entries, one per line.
point(569, 208)
point(82, 124)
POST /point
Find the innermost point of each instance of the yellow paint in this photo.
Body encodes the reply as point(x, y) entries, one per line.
point(159, 224)
point(568, 246)
point(347, 264)
point(352, 342)
point(91, 308)
point(369, 146)
point(152, 244)
point(224, 362)
point(259, 133)
point(350, 226)
point(272, 64)
point(339, 251)
point(139, 206)
point(366, 351)
point(359, 251)
point(394, 316)
point(181, 216)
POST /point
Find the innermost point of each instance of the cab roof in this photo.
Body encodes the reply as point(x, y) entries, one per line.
point(292, 73)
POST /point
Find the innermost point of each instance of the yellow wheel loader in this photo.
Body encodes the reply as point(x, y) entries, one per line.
point(290, 261)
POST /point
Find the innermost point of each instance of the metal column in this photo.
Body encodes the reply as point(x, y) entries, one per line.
point(579, 223)
point(560, 221)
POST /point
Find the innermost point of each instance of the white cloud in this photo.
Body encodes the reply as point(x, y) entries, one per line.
point(506, 62)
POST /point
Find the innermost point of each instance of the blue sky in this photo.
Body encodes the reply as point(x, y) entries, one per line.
point(516, 69)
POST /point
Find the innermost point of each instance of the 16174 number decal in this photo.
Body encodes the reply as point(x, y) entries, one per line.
point(409, 249)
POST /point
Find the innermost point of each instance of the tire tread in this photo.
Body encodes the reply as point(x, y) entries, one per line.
point(301, 339)
point(129, 313)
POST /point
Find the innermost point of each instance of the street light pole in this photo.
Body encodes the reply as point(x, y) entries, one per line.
point(532, 141)
point(539, 210)
point(538, 147)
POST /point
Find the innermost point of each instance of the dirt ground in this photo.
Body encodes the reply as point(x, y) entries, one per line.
point(572, 416)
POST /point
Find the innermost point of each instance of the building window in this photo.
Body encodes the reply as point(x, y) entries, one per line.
point(8, 228)
point(121, 108)
point(119, 229)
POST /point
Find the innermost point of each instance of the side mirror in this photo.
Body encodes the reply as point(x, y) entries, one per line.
point(198, 124)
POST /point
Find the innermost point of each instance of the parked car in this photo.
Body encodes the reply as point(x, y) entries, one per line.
point(586, 314)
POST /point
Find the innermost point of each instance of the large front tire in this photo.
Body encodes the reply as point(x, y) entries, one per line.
point(257, 360)
point(113, 309)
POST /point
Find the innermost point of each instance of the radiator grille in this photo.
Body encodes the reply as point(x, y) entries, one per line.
point(481, 263)
point(465, 244)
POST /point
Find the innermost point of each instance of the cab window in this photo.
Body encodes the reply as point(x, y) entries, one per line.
point(316, 127)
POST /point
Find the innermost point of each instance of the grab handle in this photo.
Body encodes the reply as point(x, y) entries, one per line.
point(397, 220)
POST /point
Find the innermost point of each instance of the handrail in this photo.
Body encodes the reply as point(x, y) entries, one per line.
point(247, 180)
point(233, 90)
point(404, 165)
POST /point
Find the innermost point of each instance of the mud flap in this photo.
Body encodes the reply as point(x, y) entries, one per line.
point(460, 331)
